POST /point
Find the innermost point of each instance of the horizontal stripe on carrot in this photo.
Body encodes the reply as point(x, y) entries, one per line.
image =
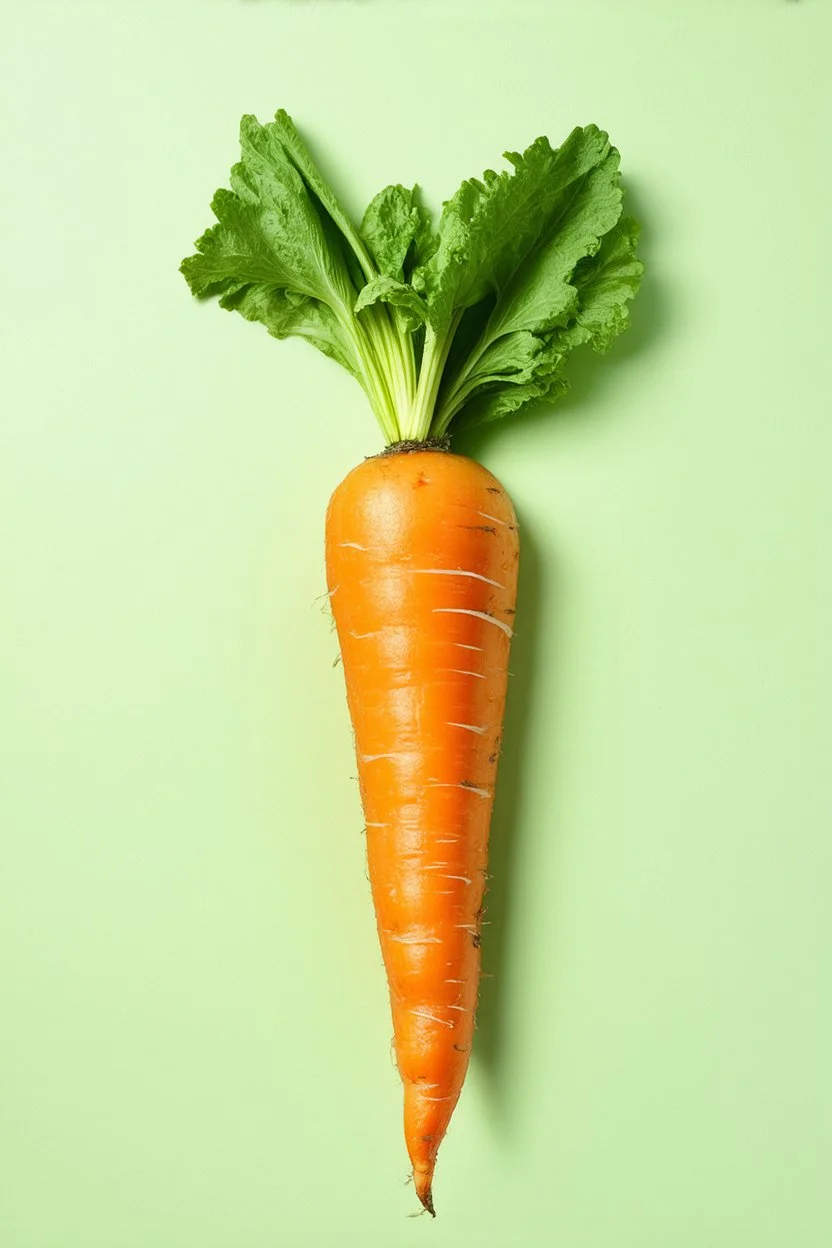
point(458, 572)
point(480, 615)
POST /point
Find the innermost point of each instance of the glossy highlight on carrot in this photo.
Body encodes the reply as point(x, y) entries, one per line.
point(422, 556)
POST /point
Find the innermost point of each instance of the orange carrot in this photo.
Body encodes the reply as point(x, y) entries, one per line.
point(444, 324)
point(422, 554)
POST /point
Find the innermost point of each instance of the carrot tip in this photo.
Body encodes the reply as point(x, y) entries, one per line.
point(426, 1198)
point(424, 1192)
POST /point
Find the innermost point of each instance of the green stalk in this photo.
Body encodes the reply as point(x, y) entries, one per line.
point(373, 377)
point(457, 394)
point(420, 422)
point(399, 361)
point(449, 409)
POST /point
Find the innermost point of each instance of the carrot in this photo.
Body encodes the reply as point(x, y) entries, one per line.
point(443, 325)
point(422, 555)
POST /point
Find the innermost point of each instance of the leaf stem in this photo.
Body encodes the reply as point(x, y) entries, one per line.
point(400, 364)
point(420, 422)
point(457, 392)
point(373, 377)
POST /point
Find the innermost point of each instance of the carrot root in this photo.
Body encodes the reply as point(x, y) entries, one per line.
point(423, 549)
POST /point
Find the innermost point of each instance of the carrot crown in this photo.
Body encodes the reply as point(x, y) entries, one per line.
point(458, 322)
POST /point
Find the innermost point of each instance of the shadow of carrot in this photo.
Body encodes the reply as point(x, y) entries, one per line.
point(511, 840)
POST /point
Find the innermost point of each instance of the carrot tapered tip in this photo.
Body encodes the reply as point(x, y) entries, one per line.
point(424, 1192)
point(427, 1201)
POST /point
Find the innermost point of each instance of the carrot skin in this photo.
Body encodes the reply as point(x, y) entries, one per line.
point(422, 554)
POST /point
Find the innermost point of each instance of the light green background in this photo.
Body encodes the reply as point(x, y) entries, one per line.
point(194, 1052)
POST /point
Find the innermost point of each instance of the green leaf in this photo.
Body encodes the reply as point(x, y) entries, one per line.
point(566, 290)
point(286, 133)
point(489, 227)
point(513, 358)
point(605, 284)
point(404, 298)
point(268, 230)
point(396, 227)
point(492, 404)
point(539, 296)
point(285, 314)
point(282, 253)
point(389, 365)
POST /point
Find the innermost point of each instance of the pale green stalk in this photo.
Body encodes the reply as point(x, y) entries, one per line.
point(420, 423)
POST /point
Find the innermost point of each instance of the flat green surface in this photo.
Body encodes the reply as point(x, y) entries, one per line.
point(194, 1048)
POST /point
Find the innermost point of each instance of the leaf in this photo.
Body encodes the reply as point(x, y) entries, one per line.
point(268, 230)
point(513, 358)
point(282, 253)
point(300, 156)
point(285, 314)
point(605, 283)
point(394, 226)
point(539, 295)
point(488, 405)
point(489, 227)
point(404, 298)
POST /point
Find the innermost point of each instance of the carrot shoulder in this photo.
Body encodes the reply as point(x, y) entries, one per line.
point(422, 557)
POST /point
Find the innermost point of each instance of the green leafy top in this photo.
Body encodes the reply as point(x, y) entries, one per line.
point(442, 325)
